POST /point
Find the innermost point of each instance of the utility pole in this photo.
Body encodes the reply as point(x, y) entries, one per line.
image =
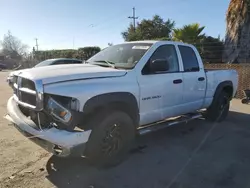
point(133, 17)
point(36, 44)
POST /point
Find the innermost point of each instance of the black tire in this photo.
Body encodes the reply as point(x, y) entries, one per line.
point(111, 138)
point(245, 101)
point(219, 108)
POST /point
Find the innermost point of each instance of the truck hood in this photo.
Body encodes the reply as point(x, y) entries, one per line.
point(61, 73)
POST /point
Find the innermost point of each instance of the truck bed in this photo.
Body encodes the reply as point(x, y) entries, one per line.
point(216, 76)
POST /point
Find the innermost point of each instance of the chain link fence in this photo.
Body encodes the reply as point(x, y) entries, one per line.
point(244, 75)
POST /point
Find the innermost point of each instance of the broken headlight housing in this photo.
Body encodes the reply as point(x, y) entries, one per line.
point(61, 107)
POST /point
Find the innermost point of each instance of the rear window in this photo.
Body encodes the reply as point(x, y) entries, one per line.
point(189, 59)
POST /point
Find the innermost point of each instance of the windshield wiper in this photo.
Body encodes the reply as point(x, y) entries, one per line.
point(109, 63)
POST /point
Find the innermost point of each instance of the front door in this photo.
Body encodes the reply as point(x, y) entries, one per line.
point(161, 92)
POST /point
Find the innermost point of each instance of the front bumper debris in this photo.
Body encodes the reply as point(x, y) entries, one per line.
point(59, 142)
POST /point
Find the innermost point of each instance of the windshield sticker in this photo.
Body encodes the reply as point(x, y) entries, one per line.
point(140, 47)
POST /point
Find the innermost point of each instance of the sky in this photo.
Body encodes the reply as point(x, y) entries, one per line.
point(60, 24)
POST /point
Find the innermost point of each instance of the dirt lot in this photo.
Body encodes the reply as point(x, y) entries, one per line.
point(197, 154)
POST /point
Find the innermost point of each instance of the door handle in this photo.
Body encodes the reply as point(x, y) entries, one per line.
point(201, 79)
point(178, 81)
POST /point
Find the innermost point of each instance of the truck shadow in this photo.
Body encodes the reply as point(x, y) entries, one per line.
point(158, 157)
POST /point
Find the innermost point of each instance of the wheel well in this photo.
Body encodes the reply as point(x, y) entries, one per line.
point(226, 86)
point(229, 90)
point(126, 108)
point(112, 106)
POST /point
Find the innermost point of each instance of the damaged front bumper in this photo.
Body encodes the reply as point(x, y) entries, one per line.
point(59, 142)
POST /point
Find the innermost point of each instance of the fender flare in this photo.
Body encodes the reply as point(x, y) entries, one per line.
point(221, 86)
point(103, 100)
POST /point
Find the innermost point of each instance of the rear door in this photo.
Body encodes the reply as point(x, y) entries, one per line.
point(194, 80)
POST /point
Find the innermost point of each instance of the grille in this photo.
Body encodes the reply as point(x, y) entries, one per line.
point(15, 79)
point(27, 98)
point(25, 83)
point(25, 91)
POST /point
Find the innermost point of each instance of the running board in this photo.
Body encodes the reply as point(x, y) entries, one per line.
point(167, 123)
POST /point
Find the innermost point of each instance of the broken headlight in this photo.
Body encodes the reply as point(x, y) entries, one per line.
point(58, 111)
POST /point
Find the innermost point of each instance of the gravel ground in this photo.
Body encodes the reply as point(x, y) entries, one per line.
point(194, 155)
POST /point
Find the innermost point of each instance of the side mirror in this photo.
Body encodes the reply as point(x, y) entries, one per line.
point(159, 65)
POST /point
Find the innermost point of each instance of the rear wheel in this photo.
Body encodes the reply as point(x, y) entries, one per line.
point(219, 108)
point(110, 139)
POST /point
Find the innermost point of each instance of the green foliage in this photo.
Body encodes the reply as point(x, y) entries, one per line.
point(50, 54)
point(189, 33)
point(87, 52)
point(211, 49)
point(81, 53)
point(149, 29)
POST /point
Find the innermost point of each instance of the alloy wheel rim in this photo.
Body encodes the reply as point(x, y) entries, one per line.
point(112, 141)
point(224, 105)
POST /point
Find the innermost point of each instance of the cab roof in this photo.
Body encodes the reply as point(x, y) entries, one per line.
point(157, 41)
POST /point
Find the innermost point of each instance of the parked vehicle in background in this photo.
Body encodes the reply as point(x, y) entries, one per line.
point(97, 109)
point(58, 61)
point(2, 66)
point(48, 62)
point(246, 99)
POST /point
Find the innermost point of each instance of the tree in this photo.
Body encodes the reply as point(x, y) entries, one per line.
point(13, 47)
point(237, 40)
point(148, 29)
point(189, 33)
point(211, 49)
point(87, 52)
point(48, 54)
point(81, 53)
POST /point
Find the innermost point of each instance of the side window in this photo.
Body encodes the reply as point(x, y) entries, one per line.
point(167, 52)
point(77, 62)
point(72, 62)
point(189, 59)
point(58, 62)
point(68, 62)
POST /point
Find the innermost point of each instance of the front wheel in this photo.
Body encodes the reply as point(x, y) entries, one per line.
point(110, 139)
point(219, 108)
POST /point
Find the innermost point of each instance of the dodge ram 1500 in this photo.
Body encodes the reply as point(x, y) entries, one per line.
point(96, 109)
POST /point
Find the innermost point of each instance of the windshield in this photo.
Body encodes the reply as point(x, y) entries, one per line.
point(122, 55)
point(44, 63)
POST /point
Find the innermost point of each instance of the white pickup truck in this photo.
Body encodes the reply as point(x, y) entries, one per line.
point(97, 109)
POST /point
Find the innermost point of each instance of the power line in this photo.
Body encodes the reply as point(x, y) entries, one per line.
point(133, 17)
